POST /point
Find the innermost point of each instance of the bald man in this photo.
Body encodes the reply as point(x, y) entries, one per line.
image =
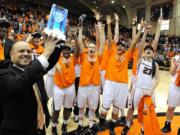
point(24, 99)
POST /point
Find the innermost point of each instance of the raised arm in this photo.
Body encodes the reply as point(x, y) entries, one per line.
point(108, 20)
point(102, 39)
point(143, 40)
point(116, 36)
point(135, 40)
point(157, 35)
point(31, 73)
point(77, 46)
point(97, 16)
point(80, 39)
point(134, 23)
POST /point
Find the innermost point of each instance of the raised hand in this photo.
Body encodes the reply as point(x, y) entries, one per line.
point(143, 23)
point(108, 19)
point(97, 16)
point(116, 17)
point(147, 27)
point(50, 45)
point(134, 20)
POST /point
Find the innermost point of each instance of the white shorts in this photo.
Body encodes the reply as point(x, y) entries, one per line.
point(174, 96)
point(138, 94)
point(132, 90)
point(63, 97)
point(102, 78)
point(88, 96)
point(49, 85)
point(115, 94)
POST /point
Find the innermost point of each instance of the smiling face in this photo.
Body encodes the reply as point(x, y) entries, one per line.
point(21, 54)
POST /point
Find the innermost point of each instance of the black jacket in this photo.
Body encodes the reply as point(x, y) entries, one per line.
point(18, 98)
point(4, 64)
point(7, 48)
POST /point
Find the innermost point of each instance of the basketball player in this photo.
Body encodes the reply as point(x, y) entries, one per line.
point(174, 92)
point(74, 44)
point(111, 44)
point(116, 85)
point(136, 58)
point(137, 54)
point(64, 89)
point(147, 81)
point(89, 86)
point(104, 61)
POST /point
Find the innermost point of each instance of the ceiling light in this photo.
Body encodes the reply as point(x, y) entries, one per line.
point(124, 6)
point(94, 2)
point(112, 2)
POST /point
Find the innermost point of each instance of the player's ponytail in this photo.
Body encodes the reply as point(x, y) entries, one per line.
point(153, 68)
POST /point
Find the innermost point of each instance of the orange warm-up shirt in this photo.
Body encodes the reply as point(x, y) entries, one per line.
point(118, 71)
point(1, 52)
point(90, 74)
point(105, 56)
point(66, 77)
point(135, 61)
point(147, 116)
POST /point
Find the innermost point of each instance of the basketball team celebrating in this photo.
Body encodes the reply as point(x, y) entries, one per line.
point(101, 67)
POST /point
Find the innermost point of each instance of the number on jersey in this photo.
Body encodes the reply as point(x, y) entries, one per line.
point(147, 71)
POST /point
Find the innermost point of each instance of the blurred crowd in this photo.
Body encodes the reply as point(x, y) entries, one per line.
point(28, 18)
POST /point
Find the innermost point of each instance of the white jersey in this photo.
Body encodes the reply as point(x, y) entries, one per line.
point(144, 76)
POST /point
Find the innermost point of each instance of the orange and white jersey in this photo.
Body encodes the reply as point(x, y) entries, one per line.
point(117, 69)
point(90, 70)
point(105, 56)
point(66, 76)
point(144, 75)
